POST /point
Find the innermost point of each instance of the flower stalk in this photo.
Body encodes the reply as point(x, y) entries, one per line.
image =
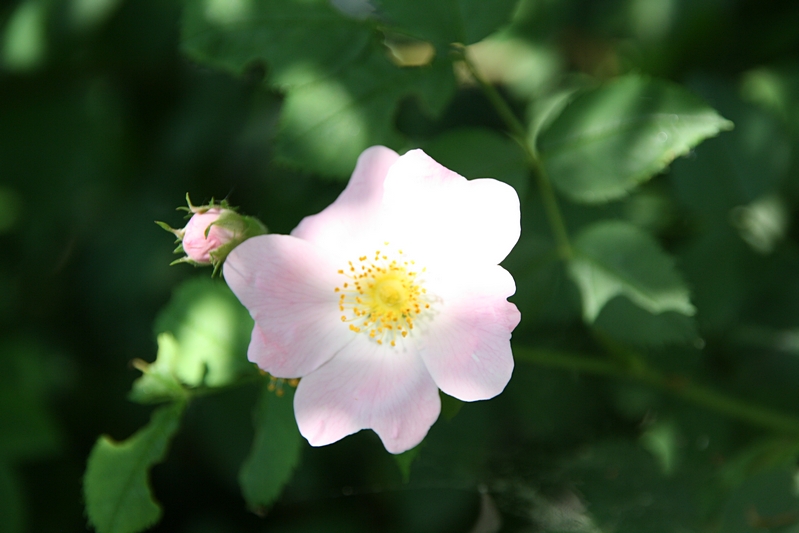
point(519, 134)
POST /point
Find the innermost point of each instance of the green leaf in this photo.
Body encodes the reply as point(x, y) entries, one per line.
point(115, 487)
point(158, 382)
point(613, 258)
point(614, 137)
point(326, 125)
point(626, 322)
point(445, 22)
point(662, 440)
point(24, 45)
point(276, 449)
point(481, 153)
point(342, 91)
point(212, 330)
point(300, 41)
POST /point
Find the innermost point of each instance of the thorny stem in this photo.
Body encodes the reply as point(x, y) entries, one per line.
point(679, 386)
point(519, 134)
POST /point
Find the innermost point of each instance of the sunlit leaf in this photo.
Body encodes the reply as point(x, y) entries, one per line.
point(276, 449)
point(24, 43)
point(116, 487)
point(444, 22)
point(298, 41)
point(158, 381)
point(775, 88)
point(662, 441)
point(615, 258)
point(611, 138)
point(481, 153)
point(212, 330)
point(325, 125)
point(342, 90)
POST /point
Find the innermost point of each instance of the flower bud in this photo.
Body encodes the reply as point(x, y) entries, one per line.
point(212, 232)
point(203, 236)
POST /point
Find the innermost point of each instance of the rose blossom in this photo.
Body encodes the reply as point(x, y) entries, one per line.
point(392, 292)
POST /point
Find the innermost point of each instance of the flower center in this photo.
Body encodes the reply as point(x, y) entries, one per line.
point(383, 296)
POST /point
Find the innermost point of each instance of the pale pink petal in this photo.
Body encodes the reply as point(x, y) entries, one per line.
point(287, 285)
point(355, 210)
point(368, 386)
point(466, 346)
point(438, 213)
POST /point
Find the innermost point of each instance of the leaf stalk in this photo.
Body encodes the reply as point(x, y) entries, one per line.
point(680, 386)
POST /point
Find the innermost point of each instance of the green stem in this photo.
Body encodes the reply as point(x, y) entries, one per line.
point(519, 134)
point(196, 392)
point(679, 386)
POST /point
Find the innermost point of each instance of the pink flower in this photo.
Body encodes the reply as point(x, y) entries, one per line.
point(390, 293)
point(202, 235)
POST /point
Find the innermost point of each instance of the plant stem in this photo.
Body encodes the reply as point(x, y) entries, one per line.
point(519, 134)
point(679, 386)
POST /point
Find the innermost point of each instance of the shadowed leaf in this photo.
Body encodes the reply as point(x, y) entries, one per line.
point(615, 258)
point(275, 451)
point(116, 486)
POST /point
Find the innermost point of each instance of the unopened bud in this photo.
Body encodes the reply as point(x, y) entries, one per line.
point(212, 232)
point(203, 235)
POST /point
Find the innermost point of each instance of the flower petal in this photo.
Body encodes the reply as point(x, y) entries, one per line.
point(466, 347)
point(287, 285)
point(368, 386)
point(444, 215)
point(355, 210)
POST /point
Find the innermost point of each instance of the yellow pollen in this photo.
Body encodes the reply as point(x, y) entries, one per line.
point(383, 298)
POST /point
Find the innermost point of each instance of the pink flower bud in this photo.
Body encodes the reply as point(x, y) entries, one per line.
point(202, 235)
point(212, 232)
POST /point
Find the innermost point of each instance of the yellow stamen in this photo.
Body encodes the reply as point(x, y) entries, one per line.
point(383, 297)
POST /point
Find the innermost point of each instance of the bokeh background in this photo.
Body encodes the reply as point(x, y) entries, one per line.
point(105, 125)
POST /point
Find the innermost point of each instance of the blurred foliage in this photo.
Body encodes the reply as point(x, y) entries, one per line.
point(657, 364)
